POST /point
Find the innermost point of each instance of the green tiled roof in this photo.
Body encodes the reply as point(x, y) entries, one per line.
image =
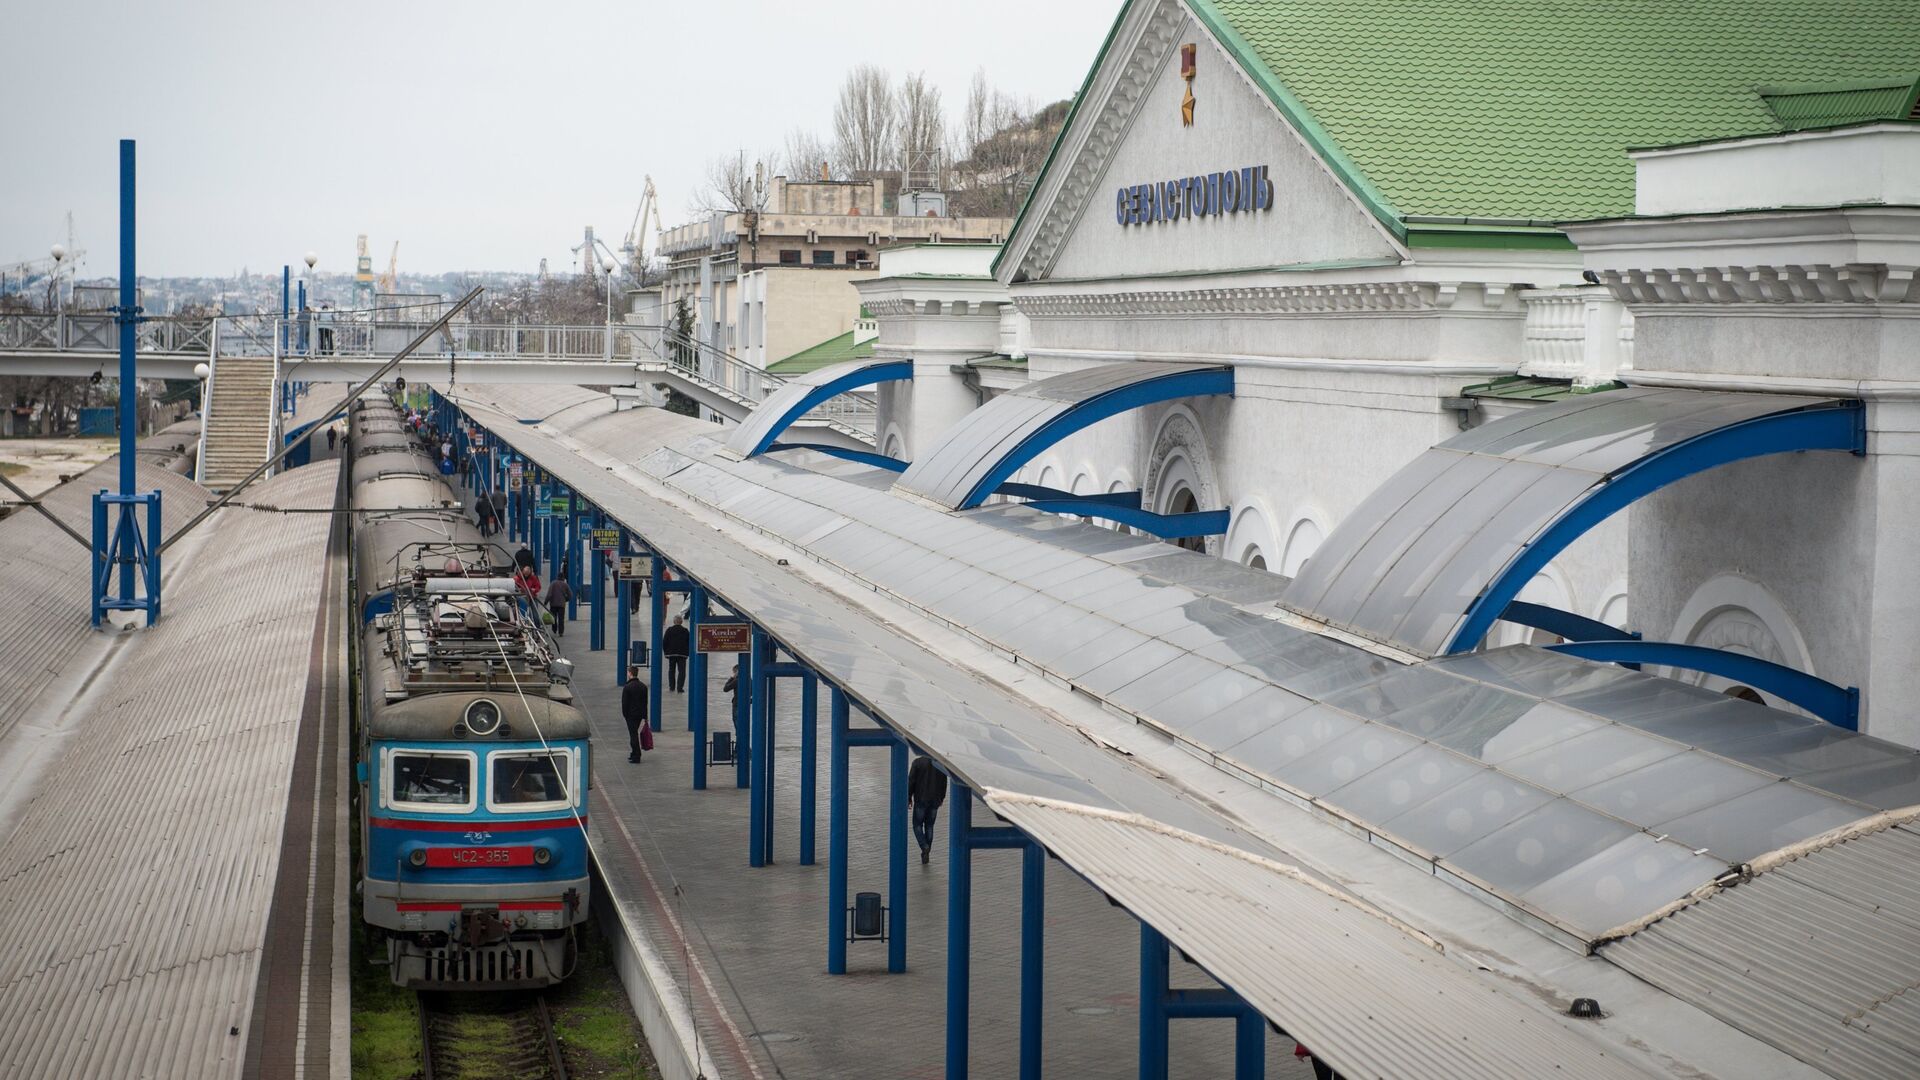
point(1800, 107)
point(1524, 109)
point(830, 351)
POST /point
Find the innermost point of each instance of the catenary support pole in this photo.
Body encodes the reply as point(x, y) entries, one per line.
point(809, 750)
point(837, 832)
point(697, 686)
point(129, 316)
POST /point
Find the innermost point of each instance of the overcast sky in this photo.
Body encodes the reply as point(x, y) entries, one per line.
point(480, 135)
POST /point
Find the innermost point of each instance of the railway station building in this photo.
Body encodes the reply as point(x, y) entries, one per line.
point(1391, 239)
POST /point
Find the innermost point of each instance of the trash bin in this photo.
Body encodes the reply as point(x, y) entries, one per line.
point(722, 748)
point(869, 918)
point(641, 654)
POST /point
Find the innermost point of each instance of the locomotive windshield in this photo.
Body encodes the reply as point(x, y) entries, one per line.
point(432, 779)
point(524, 779)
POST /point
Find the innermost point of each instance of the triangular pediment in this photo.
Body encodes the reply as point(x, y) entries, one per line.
point(1134, 190)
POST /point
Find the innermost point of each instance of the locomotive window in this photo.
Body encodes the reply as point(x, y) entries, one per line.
point(530, 781)
point(426, 781)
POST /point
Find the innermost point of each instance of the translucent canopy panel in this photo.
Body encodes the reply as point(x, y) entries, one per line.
point(802, 393)
point(985, 447)
point(1583, 794)
point(1430, 558)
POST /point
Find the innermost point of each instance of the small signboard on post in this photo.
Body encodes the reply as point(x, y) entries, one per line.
point(606, 539)
point(478, 439)
point(542, 505)
point(636, 567)
point(726, 637)
point(562, 505)
point(516, 476)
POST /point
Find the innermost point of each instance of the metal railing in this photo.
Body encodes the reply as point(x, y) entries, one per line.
point(354, 335)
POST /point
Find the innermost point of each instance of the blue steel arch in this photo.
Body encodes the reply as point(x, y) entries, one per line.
point(794, 400)
point(1840, 425)
point(1837, 705)
point(1198, 382)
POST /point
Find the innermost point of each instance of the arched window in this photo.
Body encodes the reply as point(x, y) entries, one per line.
point(1256, 560)
point(1185, 503)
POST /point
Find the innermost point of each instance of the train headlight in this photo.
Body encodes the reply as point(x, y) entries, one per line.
point(482, 717)
point(520, 921)
point(542, 856)
point(419, 857)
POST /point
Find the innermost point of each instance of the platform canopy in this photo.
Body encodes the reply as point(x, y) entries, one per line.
point(991, 443)
point(1429, 561)
point(804, 393)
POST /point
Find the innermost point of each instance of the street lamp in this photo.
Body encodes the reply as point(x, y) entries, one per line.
point(606, 265)
point(59, 253)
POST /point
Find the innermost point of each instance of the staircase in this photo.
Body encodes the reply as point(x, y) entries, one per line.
point(238, 420)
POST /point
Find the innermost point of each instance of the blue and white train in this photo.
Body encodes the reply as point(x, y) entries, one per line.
point(473, 763)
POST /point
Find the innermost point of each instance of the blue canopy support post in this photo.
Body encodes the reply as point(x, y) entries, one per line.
point(837, 832)
point(623, 616)
point(571, 563)
point(756, 689)
point(657, 614)
point(1249, 1045)
point(959, 924)
point(597, 633)
point(742, 706)
point(809, 764)
point(697, 686)
point(551, 538)
point(897, 855)
point(1033, 915)
point(1154, 980)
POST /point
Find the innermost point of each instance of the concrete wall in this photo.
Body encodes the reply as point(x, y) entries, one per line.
point(783, 311)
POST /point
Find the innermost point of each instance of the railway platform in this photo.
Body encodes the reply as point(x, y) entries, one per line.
point(745, 948)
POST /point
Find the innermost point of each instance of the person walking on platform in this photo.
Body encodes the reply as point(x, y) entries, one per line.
point(926, 790)
point(333, 437)
point(673, 643)
point(633, 707)
point(558, 593)
point(524, 557)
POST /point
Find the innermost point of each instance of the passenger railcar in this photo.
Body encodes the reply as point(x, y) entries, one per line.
point(474, 763)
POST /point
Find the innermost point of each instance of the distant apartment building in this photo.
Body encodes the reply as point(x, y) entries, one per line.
point(765, 284)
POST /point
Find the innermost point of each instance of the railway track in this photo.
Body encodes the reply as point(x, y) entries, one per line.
point(488, 1035)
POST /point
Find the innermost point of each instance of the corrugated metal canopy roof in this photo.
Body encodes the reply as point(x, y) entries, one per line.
point(44, 579)
point(1819, 956)
point(1363, 991)
point(135, 884)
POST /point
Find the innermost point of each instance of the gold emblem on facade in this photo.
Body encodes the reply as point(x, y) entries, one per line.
point(1186, 72)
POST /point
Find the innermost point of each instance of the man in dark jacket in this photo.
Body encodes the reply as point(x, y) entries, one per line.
point(633, 707)
point(673, 644)
point(926, 790)
point(558, 593)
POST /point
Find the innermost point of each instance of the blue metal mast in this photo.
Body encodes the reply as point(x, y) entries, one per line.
point(124, 547)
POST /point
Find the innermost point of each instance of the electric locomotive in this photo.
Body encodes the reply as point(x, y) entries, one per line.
point(474, 762)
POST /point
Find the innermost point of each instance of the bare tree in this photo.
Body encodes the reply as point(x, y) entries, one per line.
point(807, 155)
point(922, 130)
point(865, 122)
point(733, 182)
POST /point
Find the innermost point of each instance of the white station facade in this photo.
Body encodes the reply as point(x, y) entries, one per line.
point(1195, 210)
